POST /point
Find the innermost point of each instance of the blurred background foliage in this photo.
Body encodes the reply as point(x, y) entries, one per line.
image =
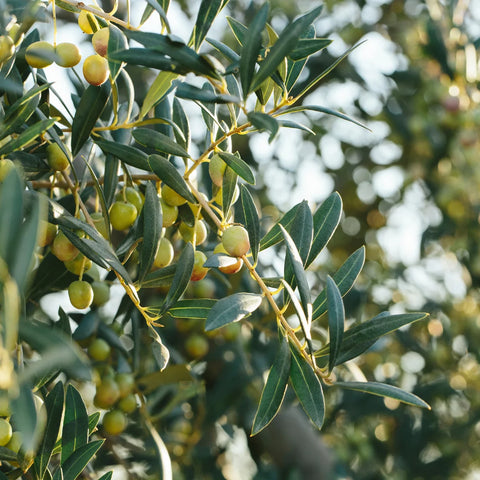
point(411, 194)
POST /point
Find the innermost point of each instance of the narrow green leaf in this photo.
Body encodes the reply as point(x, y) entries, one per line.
point(299, 272)
point(274, 235)
point(190, 92)
point(238, 166)
point(177, 50)
point(159, 88)
point(169, 175)
point(152, 229)
point(181, 120)
point(54, 409)
point(155, 4)
point(239, 30)
point(308, 388)
point(75, 423)
point(308, 46)
point(197, 308)
point(336, 321)
point(67, 6)
point(263, 121)
point(116, 41)
point(159, 141)
point(25, 415)
point(162, 277)
point(325, 222)
point(108, 475)
point(248, 216)
point(159, 350)
point(283, 46)
point(232, 309)
point(225, 50)
point(89, 109)
point(344, 277)
point(130, 155)
point(27, 136)
point(146, 57)
point(79, 459)
point(207, 13)
point(220, 260)
point(274, 389)
point(251, 48)
point(229, 185)
point(385, 390)
point(296, 125)
point(181, 277)
point(301, 231)
point(362, 336)
point(327, 71)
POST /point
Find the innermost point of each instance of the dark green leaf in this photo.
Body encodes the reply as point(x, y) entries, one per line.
point(175, 49)
point(229, 186)
point(25, 417)
point(116, 41)
point(238, 166)
point(298, 126)
point(232, 309)
point(308, 46)
point(385, 390)
point(67, 6)
point(190, 92)
point(325, 222)
point(283, 46)
point(224, 49)
point(274, 389)
point(147, 57)
point(27, 136)
point(308, 388)
point(75, 424)
point(78, 460)
point(160, 278)
point(181, 119)
point(108, 475)
point(54, 408)
point(299, 272)
point(344, 277)
point(207, 13)
point(159, 141)
point(130, 155)
point(169, 175)
point(197, 308)
point(239, 30)
point(336, 321)
point(362, 336)
point(91, 105)
point(181, 277)
point(152, 229)
point(248, 216)
point(251, 48)
point(274, 235)
point(263, 121)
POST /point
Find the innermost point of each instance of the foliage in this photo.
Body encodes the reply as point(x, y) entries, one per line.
point(179, 346)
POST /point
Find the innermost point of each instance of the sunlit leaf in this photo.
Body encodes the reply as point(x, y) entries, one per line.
point(232, 309)
point(207, 13)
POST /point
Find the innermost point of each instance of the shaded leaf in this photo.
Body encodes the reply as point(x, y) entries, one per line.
point(263, 121)
point(283, 46)
point(181, 119)
point(274, 235)
point(146, 57)
point(344, 277)
point(308, 46)
point(232, 309)
point(169, 175)
point(162, 277)
point(239, 30)
point(385, 390)
point(248, 216)
point(336, 321)
point(79, 459)
point(54, 409)
point(181, 278)
point(130, 155)
point(159, 141)
point(251, 48)
point(299, 272)
point(274, 389)
point(325, 222)
point(190, 92)
point(25, 416)
point(116, 41)
point(172, 374)
point(229, 185)
point(307, 387)
point(88, 111)
point(238, 166)
point(75, 423)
